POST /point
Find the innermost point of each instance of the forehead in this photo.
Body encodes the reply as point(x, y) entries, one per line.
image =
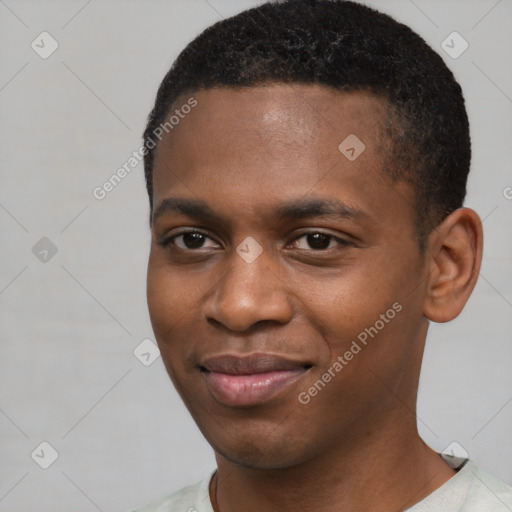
point(290, 123)
point(269, 143)
point(274, 113)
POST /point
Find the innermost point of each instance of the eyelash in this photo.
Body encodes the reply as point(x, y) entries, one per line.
point(169, 241)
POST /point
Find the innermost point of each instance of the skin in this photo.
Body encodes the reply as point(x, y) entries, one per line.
point(355, 445)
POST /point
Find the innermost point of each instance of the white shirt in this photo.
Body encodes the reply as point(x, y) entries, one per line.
point(470, 490)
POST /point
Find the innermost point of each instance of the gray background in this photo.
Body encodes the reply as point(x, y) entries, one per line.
point(70, 324)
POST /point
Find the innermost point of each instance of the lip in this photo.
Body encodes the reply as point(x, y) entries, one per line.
point(250, 380)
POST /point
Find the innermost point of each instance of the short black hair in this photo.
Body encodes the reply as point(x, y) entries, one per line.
point(350, 47)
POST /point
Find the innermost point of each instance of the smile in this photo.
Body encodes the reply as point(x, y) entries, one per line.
point(250, 380)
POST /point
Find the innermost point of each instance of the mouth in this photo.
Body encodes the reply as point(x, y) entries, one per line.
point(250, 380)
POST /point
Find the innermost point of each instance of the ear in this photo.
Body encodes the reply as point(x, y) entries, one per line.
point(454, 255)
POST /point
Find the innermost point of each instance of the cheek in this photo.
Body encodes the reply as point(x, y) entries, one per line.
point(366, 311)
point(165, 311)
point(169, 299)
point(345, 304)
point(169, 290)
point(174, 301)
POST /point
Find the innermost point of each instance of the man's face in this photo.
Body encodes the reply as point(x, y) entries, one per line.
point(301, 256)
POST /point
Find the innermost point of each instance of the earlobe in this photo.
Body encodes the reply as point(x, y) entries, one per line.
point(454, 256)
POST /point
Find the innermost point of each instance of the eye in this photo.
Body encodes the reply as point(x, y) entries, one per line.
point(190, 240)
point(318, 241)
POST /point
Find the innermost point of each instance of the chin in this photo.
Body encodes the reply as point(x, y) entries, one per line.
point(260, 456)
point(261, 448)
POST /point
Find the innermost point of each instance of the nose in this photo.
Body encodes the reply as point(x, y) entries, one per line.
point(249, 294)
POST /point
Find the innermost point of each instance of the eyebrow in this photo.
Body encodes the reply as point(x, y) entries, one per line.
point(190, 207)
point(305, 208)
point(297, 209)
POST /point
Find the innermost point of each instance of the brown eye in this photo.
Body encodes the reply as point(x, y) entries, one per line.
point(317, 241)
point(191, 240)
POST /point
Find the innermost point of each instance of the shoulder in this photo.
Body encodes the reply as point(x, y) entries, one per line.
point(193, 498)
point(470, 490)
point(486, 493)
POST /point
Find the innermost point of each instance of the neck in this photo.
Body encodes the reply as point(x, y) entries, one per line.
point(390, 469)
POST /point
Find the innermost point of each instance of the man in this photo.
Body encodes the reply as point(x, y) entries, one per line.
point(306, 164)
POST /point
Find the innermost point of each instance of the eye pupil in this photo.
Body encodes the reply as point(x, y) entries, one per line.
point(318, 241)
point(193, 240)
